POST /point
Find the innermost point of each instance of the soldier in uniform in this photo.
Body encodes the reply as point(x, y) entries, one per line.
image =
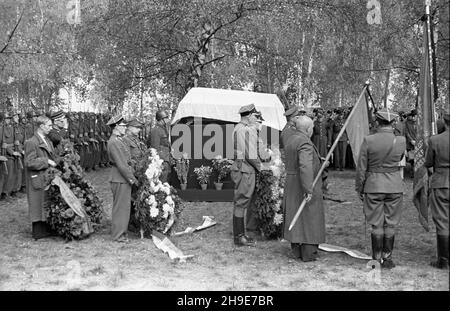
point(160, 140)
point(246, 164)
point(3, 158)
point(39, 156)
point(18, 147)
point(303, 162)
point(320, 139)
point(122, 179)
point(8, 150)
point(136, 147)
point(264, 154)
point(59, 130)
point(341, 148)
point(437, 157)
point(410, 134)
point(380, 186)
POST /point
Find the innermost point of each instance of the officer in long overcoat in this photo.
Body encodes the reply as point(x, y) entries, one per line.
point(122, 178)
point(302, 164)
point(243, 170)
point(39, 156)
point(380, 185)
point(437, 157)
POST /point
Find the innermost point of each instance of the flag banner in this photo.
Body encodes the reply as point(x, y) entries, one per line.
point(351, 252)
point(358, 126)
point(424, 130)
point(208, 221)
point(164, 244)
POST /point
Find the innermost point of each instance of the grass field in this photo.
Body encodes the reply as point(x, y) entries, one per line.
point(98, 263)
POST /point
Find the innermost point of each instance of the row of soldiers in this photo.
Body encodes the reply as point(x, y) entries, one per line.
point(87, 130)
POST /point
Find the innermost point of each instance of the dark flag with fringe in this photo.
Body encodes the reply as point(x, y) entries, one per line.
point(425, 125)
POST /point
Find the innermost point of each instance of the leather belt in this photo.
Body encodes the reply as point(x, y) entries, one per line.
point(384, 169)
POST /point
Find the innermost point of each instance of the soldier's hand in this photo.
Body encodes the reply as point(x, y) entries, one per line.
point(308, 197)
point(51, 163)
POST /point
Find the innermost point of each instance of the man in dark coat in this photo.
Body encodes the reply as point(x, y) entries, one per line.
point(8, 150)
point(410, 135)
point(39, 156)
point(122, 179)
point(302, 164)
point(379, 185)
point(289, 129)
point(437, 157)
point(341, 148)
point(160, 140)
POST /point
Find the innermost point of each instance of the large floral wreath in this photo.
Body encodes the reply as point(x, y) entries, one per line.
point(157, 206)
point(61, 217)
point(269, 197)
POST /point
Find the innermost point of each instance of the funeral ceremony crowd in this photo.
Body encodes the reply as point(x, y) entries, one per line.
point(30, 146)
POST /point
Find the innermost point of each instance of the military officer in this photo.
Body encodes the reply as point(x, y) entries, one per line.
point(437, 157)
point(18, 147)
point(341, 148)
point(8, 150)
point(291, 114)
point(122, 179)
point(3, 158)
point(252, 223)
point(303, 162)
point(160, 140)
point(246, 164)
point(380, 186)
point(320, 139)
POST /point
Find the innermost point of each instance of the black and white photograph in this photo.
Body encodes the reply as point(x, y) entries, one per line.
point(224, 152)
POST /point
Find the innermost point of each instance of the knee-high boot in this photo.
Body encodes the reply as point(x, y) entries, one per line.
point(377, 246)
point(442, 250)
point(388, 247)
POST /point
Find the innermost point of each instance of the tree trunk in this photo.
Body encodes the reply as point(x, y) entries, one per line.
point(386, 85)
point(300, 71)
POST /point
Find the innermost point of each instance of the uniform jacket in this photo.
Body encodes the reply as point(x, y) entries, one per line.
point(375, 175)
point(287, 132)
point(320, 137)
point(245, 142)
point(160, 140)
point(37, 153)
point(410, 133)
point(120, 157)
point(437, 157)
point(302, 165)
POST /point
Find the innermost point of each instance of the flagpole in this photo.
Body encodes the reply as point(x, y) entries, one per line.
point(330, 152)
point(430, 64)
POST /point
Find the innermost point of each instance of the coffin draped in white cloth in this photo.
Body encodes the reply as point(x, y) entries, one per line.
point(224, 105)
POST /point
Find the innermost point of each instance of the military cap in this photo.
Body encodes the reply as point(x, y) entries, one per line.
point(247, 109)
point(115, 120)
point(292, 112)
point(135, 123)
point(57, 114)
point(386, 115)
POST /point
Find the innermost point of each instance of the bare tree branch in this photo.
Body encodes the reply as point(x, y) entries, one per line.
point(8, 41)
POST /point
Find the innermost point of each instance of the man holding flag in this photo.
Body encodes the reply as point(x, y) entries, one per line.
point(437, 157)
point(380, 185)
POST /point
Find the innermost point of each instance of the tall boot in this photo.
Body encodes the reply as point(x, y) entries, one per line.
point(388, 247)
point(442, 250)
point(377, 246)
point(239, 232)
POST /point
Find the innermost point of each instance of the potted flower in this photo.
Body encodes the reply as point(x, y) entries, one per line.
point(203, 173)
point(222, 167)
point(182, 168)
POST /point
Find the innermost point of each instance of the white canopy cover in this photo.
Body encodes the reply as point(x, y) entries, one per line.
point(224, 105)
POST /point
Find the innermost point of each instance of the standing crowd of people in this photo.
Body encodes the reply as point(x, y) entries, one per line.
point(31, 144)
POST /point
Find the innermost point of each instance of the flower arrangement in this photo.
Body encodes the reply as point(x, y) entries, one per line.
point(222, 166)
point(269, 197)
point(61, 218)
point(157, 206)
point(182, 168)
point(203, 173)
